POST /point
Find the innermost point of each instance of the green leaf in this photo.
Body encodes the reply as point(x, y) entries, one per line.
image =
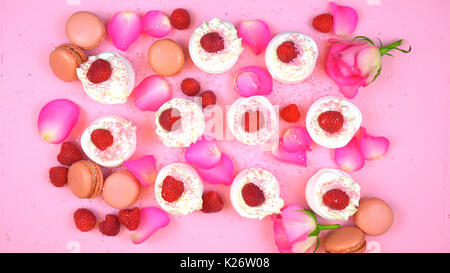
point(317, 245)
point(376, 75)
point(364, 38)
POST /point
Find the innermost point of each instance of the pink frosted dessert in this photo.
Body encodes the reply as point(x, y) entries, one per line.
point(332, 194)
point(252, 120)
point(124, 141)
point(300, 65)
point(263, 183)
point(117, 87)
point(336, 137)
point(190, 197)
point(217, 60)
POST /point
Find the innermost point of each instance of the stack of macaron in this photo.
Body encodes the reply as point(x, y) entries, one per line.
point(214, 47)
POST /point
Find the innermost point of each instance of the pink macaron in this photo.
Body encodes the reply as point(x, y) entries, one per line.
point(121, 189)
point(347, 239)
point(374, 216)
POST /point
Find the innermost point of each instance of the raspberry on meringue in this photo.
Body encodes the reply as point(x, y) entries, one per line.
point(124, 143)
point(223, 50)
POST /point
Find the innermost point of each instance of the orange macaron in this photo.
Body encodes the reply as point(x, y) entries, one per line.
point(121, 189)
point(347, 239)
point(374, 216)
point(166, 57)
point(85, 179)
point(64, 61)
point(85, 29)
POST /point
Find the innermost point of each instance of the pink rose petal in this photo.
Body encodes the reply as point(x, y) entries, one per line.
point(297, 224)
point(152, 219)
point(349, 158)
point(255, 33)
point(156, 24)
point(222, 173)
point(253, 80)
point(144, 169)
point(345, 19)
point(306, 245)
point(204, 154)
point(57, 119)
point(280, 236)
point(151, 93)
point(296, 139)
point(298, 157)
point(373, 147)
point(124, 29)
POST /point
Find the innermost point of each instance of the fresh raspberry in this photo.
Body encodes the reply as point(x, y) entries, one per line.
point(110, 226)
point(130, 218)
point(58, 176)
point(212, 42)
point(85, 220)
point(180, 19)
point(323, 22)
point(287, 51)
point(253, 195)
point(253, 121)
point(168, 118)
point(69, 154)
point(331, 121)
point(208, 98)
point(102, 139)
point(290, 113)
point(190, 87)
point(212, 202)
point(336, 199)
point(99, 71)
point(172, 189)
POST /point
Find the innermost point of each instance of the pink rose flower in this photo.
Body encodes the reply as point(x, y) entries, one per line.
point(356, 63)
point(296, 230)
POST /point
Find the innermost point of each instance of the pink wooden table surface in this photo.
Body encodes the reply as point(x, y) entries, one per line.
point(409, 104)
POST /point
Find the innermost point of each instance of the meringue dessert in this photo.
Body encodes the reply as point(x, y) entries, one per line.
point(179, 123)
point(252, 120)
point(214, 46)
point(332, 122)
point(291, 57)
point(179, 189)
point(109, 141)
point(107, 78)
point(255, 193)
point(332, 194)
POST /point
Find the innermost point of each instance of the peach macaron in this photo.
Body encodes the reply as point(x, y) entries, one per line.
point(64, 61)
point(121, 189)
point(85, 29)
point(374, 216)
point(85, 179)
point(166, 57)
point(348, 239)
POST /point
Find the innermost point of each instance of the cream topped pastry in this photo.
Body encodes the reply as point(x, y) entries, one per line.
point(109, 140)
point(332, 194)
point(179, 123)
point(107, 78)
point(255, 193)
point(179, 189)
point(332, 122)
point(252, 120)
point(214, 46)
point(291, 57)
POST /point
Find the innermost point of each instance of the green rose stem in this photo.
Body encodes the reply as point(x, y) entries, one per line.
point(385, 49)
point(318, 228)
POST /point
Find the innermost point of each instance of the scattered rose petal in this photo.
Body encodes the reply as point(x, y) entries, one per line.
point(222, 173)
point(57, 119)
point(156, 24)
point(349, 158)
point(256, 34)
point(253, 80)
point(144, 169)
point(295, 139)
point(373, 147)
point(344, 19)
point(152, 219)
point(151, 93)
point(204, 153)
point(298, 157)
point(124, 29)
